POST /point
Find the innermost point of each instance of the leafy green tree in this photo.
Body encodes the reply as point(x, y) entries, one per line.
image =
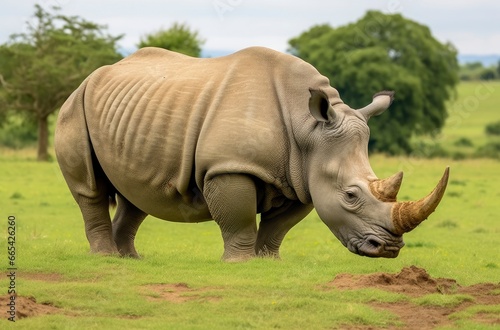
point(386, 52)
point(39, 69)
point(179, 38)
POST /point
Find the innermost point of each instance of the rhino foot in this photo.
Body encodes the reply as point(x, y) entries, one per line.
point(128, 252)
point(126, 222)
point(100, 237)
point(265, 252)
point(103, 247)
point(238, 258)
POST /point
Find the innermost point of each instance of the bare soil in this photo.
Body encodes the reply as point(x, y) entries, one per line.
point(416, 282)
point(177, 293)
point(45, 277)
point(29, 307)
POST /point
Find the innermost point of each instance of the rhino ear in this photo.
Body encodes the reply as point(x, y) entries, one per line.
point(381, 101)
point(320, 107)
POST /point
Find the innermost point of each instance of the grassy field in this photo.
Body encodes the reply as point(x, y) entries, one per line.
point(476, 105)
point(181, 283)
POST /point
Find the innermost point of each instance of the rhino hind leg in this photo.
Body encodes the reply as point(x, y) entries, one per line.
point(232, 201)
point(91, 190)
point(126, 222)
point(94, 206)
point(275, 224)
point(86, 180)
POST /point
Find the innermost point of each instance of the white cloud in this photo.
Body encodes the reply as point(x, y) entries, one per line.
point(472, 43)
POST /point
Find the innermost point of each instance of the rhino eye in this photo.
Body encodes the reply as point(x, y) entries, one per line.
point(351, 196)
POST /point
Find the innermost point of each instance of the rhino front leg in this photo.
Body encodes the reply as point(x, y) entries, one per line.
point(275, 224)
point(232, 201)
point(126, 222)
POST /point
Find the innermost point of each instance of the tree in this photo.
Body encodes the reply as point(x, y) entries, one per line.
point(179, 38)
point(39, 69)
point(386, 52)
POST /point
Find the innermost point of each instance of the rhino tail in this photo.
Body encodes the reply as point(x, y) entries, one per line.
point(112, 198)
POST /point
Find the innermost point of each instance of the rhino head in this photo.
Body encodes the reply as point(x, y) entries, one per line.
point(361, 210)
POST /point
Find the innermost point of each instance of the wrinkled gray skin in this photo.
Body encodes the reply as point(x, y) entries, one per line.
point(191, 140)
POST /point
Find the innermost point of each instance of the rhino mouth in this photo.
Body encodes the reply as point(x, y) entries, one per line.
point(375, 247)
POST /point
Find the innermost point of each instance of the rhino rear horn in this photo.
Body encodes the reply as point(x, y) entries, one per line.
point(386, 190)
point(408, 215)
point(381, 101)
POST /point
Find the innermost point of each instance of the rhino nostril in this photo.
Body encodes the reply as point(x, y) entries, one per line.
point(374, 243)
point(373, 246)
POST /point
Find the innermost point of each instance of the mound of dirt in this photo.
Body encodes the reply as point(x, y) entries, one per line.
point(28, 307)
point(412, 281)
point(416, 282)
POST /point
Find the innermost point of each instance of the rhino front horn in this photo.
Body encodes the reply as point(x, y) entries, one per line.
point(408, 215)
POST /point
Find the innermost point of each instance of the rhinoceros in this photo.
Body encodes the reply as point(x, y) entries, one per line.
point(255, 132)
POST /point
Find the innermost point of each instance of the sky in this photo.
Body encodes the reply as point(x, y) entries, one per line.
point(229, 25)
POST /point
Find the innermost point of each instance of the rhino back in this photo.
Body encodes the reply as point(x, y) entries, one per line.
point(161, 124)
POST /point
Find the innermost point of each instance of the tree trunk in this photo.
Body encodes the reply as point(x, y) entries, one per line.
point(43, 139)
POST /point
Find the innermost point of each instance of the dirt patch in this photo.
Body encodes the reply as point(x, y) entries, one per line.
point(415, 282)
point(28, 306)
point(177, 293)
point(46, 277)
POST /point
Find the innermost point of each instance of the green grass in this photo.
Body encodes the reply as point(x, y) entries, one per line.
point(442, 300)
point(459, 241)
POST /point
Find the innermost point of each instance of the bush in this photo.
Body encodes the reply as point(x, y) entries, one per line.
point(476, 71)
point(493, 128)
point(489, 150)
point(458, 155)
point(428, 150)
point(488, 74)
point(17, 133)
point(463, 142)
